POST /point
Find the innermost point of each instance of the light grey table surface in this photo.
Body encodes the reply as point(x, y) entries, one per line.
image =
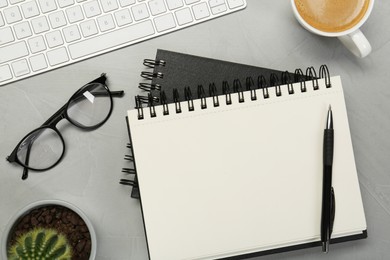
point(265, 34)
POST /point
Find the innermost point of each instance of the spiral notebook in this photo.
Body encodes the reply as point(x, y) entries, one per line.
point(173, 72)
point(243, 176)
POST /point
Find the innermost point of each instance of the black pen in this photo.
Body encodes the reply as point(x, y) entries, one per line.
point(328, 199)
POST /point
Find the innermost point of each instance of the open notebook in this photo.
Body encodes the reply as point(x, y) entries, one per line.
point(244, 178)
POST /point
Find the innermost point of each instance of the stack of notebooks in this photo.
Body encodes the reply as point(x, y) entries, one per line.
point(228, 159)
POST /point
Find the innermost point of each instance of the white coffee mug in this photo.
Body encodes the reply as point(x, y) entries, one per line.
point(352, 38)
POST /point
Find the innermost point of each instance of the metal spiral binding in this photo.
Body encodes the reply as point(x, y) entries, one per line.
point(138, 106)
point(274, 81)
point(299, 77)
point(250, 86)
point(177, 101)
point(324, 74)
point(262, 84)
point(286, 80)
point(163, 99)
point(146, 99)
point(311, 73)
point(150, 75)
point(202, 97)
point(226, 92)
point(188, 98)
point(149, 86)
point(237, 88)
point(151, 106)
point(213, 94)
point(130, 171)
point(153, 63)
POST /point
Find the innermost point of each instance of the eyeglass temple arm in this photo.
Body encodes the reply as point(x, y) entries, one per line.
point(25, 170)
point(119, 93)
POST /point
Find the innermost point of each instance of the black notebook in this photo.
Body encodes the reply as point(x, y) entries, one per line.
point(240, 174)
point(199, 77)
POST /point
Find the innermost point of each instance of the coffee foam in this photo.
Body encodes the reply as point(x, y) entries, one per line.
point(332, 15)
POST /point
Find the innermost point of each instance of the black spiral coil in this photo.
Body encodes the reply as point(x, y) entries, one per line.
point(275, 84)
point(133, 182)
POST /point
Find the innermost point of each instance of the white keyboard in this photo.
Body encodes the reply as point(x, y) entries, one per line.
point(40, 35)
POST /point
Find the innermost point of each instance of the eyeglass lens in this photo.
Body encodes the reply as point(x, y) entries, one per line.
point(41, 149)
point(91, 106)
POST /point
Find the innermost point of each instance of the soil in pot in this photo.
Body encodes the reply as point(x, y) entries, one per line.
point(64, 220)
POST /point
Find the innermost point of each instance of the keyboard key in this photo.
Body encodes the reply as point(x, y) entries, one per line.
point(57, 56)
point(124, 3)
point(111, 39)
point(214, 3)
point(157, 7)
point(184, 16)
point(191, 1)
point(174, 4)
point(164, 22)
point(40, 24)
point(12, 2)
point(106, 23)
point(235, 3)
point(30, 9)
point(200, 11)
point(36, 44)
point(3, 3)
point(109, 5)
point(123, 17)
point(22, 30)
point(88, 28)
point(54, 39)
point(5, 73)
point(140, 12)
point(91, 9)
point(12, 14)
point(219, 9)
point(20, 68)
point(6, 35)
point(57, 19)
point(74, 14)
point(65, 3)
point(13, 51)
point(38, 62)
point(71, 33)
point(1, 20)
point(47, 5)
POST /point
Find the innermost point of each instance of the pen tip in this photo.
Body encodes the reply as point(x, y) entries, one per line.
point(330, 107)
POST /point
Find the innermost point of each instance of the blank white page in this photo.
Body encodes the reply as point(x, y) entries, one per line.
point(245, 177)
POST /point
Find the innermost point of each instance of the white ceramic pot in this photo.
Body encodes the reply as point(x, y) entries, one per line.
point(42, 203)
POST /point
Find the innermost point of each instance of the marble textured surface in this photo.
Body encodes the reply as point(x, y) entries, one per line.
point(265, 34)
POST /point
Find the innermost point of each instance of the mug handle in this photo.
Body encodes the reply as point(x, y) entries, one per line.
point(357, 43)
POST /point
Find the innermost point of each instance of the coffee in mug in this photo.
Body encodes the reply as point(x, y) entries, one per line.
point(332, 15)
point(336, 18)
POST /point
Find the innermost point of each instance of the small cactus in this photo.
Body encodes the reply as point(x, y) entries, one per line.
point(40, 244)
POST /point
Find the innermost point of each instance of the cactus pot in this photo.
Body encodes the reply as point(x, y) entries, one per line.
point(58, 207)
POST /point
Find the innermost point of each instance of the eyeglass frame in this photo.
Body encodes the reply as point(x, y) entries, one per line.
point(52, 122)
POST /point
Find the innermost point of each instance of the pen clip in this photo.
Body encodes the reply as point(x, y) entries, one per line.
point(333, 211)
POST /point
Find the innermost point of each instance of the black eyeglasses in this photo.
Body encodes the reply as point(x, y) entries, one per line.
point(88, 108)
